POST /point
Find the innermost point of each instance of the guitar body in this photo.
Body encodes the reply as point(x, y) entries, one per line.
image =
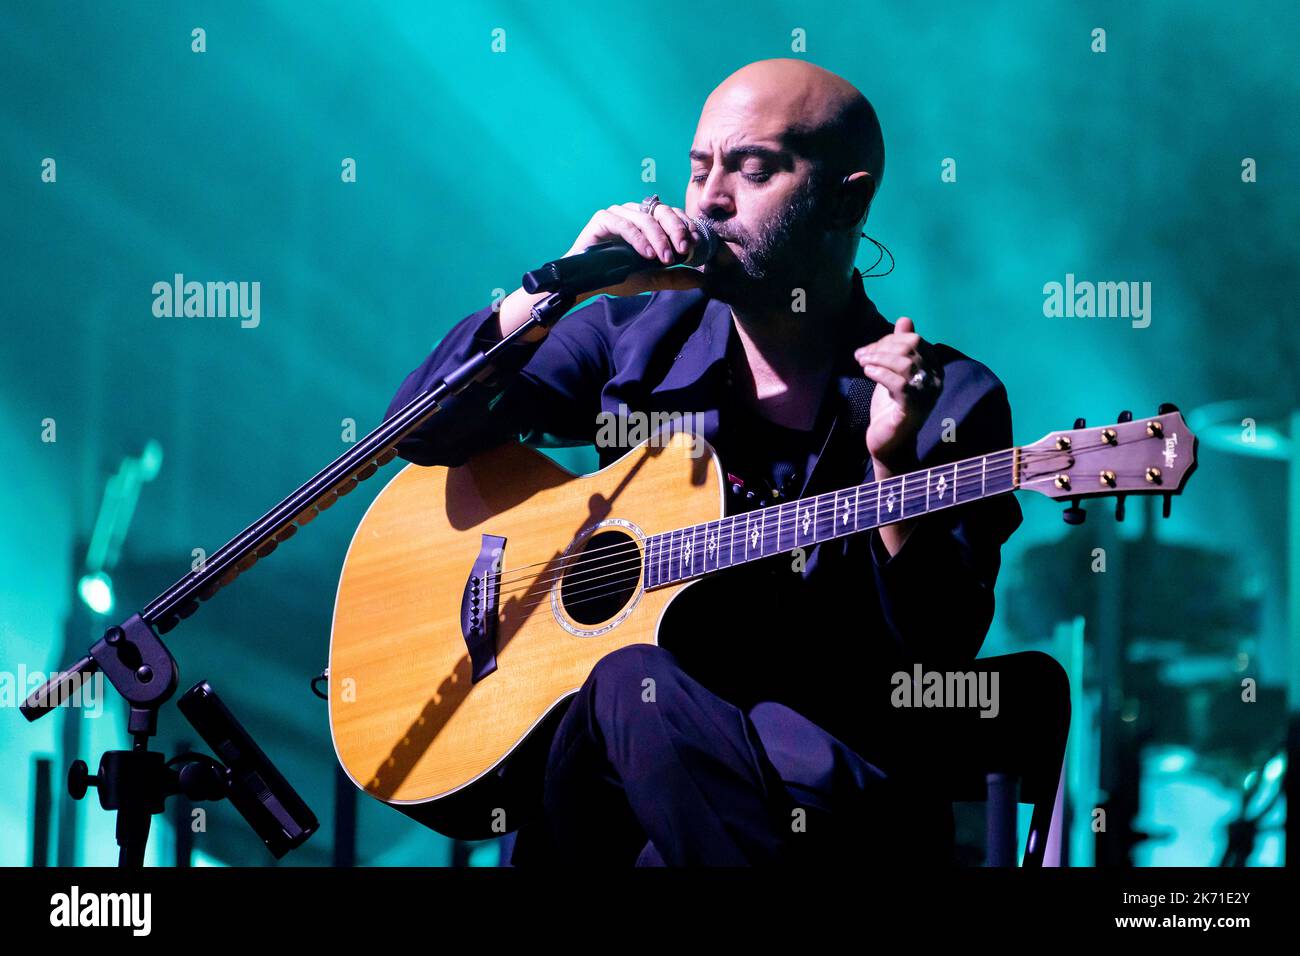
point(409, 725)
point(475, 600)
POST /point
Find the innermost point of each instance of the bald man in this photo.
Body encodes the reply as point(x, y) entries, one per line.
point(770, 738)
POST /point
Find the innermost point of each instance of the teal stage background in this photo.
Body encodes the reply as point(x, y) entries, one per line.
point(1122, 165)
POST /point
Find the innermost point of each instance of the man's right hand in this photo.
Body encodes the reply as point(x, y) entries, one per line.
point(662, 236)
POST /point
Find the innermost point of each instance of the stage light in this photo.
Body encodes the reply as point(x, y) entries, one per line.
point(97, 591)
point(150, 460)
point(1273, 769)
point(1222, 426)
point(1174, 762)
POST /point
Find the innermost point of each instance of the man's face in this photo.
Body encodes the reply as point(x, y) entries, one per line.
point(760, 197)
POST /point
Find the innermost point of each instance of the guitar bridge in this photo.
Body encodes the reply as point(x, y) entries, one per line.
point(478, 607)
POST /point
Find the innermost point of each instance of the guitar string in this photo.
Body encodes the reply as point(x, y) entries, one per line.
point(674, 551)
point(994, 470)
point(784, 524)
point(1027, 455)
point(970, 462)
point(624, 578)
point(995, 461)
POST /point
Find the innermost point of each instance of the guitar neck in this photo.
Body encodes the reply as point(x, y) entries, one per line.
point(696, 550)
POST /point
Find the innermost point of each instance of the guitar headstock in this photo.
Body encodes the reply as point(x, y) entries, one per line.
point(1146, 456)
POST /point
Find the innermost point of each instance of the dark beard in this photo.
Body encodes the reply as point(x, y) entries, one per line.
point(770, 261)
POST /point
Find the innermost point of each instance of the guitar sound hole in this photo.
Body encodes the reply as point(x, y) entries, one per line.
point(601, 578)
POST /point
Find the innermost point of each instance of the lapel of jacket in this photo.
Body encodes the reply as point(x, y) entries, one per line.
point(698, 374)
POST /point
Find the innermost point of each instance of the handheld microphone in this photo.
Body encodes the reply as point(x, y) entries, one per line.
point(609, 263)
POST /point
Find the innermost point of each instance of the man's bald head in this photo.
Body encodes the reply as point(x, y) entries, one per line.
point(815, 112)
point(786, 160)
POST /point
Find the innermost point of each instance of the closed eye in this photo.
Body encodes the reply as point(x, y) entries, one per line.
point(751, 177)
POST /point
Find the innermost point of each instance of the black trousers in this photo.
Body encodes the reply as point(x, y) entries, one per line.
point(649, 767)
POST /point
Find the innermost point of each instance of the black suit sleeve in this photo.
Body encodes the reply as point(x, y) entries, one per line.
point(936, 592)
point(544, 393)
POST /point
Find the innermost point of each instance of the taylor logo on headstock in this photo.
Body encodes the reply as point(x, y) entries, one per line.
point(1171, 450)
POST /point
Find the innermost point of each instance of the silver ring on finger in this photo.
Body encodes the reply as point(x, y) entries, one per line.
point(924, 380)
point(648, 204)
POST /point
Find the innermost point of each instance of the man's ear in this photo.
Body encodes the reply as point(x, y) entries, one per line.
point(855, 195)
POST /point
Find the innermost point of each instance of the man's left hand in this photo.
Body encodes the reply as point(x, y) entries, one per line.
point(897, 407)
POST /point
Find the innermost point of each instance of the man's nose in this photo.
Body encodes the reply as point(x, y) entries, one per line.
point(714, 198)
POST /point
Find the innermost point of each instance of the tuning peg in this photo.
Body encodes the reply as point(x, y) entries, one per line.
point(1080, 423)
point(1119, 507)
point(1074, 514)
point(1169, 500)
point(1166, 408)
point(1126, 416)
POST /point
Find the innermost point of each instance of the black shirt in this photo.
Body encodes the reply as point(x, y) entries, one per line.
point(768, 459)
point(766, 462)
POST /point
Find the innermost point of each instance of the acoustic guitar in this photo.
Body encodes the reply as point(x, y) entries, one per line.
point(475, 599)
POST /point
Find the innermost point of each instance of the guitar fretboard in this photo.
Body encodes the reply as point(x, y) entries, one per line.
point(689, 552)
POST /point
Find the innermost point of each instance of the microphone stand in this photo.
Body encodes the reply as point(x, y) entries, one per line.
point(136, 783)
